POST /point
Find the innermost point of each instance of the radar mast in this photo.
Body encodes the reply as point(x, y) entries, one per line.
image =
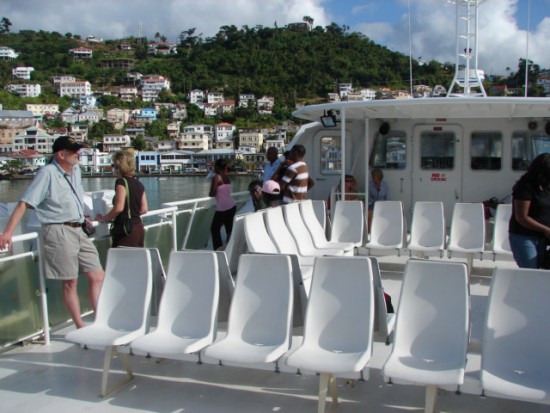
point(467, 75)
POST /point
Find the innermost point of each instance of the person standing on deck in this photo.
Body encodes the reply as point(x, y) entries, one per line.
point(272, 164)
point(529, 227)
point(296, 182)
point(226, 207)
point(56, 193)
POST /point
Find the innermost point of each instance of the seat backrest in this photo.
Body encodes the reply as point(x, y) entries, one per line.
point(501, 243)
point(467, 227)
point(237, 243)
point(517, 328)
point(320, 210)
point(189, 304)
point(348, 222)
point(340, 311)
point(257, 237)
point(380, 309)
point(388, 224)
point(227, 286)
point(261, 309)
point(428, 225)
point(281, 236)
point(125, 296)
point(433, 315)
point(297, 228)
point(311, 222)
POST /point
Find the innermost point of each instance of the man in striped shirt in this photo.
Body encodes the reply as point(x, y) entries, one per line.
point(294, 184)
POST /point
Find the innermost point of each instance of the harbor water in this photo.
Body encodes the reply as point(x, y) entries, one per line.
point(158, 189)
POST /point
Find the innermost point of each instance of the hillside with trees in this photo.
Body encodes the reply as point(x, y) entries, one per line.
point(291, 65)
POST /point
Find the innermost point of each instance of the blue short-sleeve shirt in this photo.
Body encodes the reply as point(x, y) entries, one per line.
point(53, 198)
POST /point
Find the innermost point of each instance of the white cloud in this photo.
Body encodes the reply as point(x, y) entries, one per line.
point(113, 19)
point(501, 42)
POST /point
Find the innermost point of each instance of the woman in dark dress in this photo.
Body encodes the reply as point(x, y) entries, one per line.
point(529, 229)
point(124, 167)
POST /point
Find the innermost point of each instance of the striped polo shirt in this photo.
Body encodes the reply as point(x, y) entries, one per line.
point(296, 177)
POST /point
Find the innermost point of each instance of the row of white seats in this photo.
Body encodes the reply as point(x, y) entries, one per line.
point(430, 337)
point(428, 234)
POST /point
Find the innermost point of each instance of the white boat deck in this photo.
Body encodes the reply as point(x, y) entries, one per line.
point(65, 377)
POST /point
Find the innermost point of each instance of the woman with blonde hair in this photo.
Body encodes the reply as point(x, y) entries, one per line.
point(130, 203)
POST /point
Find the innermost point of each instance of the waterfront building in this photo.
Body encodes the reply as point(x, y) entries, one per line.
point(13, 123)
point(34, 139)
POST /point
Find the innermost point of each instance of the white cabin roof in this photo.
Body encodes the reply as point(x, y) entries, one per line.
point(431, 108)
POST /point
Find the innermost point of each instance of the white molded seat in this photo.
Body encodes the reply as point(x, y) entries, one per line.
point(384, 322)
point(122, 309)
point(431, 330)
point(299, 231)
point(281, 236)
point(317, 232)
point(388, 227)
point(339, 321)
point(188, 309)
point(320, 209)
point(467, 234)
point(260, 316)
point(236, 244)
point(348, 222)
point(501, 243)
point(516, 353)
point(257, 237)
point(427, 229)
point(259, 241)
point(227, 286)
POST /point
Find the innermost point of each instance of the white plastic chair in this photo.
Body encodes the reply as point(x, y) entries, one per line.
point(348, 222)
point(467, 231)
point(431, 330)
point(515, 353)
point(427, 229)
point(320, 209)
point(188, 309)
point(299, 231)
point(317, 232)
point(259, 241)
point(501, 243)
point(388, 227)
point(257, 237)
point(227, 286)
point(339, 322)
point(259, 324)
point(384, 322)
point(236, 244)
point(122, 309)
point(281, 236)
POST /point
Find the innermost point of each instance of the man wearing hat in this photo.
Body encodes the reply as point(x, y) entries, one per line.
point(56, 193)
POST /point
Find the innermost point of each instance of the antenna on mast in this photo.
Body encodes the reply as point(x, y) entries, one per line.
point(467, 74)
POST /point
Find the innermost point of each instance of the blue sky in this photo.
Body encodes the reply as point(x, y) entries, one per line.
point(502, 23)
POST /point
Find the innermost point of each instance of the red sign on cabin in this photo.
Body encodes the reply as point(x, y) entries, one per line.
point(437, 177)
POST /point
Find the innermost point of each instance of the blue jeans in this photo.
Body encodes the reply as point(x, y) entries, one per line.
point(528, 251)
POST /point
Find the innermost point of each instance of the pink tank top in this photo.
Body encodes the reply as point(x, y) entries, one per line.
point(224, 200)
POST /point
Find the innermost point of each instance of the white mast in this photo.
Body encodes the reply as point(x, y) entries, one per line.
point(467, 74)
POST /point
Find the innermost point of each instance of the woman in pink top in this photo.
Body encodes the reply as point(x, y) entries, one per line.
point(225, 205)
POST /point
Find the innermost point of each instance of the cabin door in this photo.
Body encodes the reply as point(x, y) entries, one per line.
point(437, 165)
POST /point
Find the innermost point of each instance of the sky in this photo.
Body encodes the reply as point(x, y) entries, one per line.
point(508, 29)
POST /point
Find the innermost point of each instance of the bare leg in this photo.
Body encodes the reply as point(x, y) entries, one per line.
point(70, 298)
point(95, 280)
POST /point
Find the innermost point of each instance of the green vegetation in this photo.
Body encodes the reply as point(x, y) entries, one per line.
point(292, 66)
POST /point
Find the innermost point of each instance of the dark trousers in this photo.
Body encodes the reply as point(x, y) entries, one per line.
point(224, 218)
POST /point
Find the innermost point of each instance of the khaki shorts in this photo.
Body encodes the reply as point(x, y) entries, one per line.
point(67, 251)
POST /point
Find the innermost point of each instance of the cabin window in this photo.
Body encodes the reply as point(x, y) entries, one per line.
point(486, 151)
point(437, 150)
point(526, 146)
point(331, 154)
point(389, 151)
